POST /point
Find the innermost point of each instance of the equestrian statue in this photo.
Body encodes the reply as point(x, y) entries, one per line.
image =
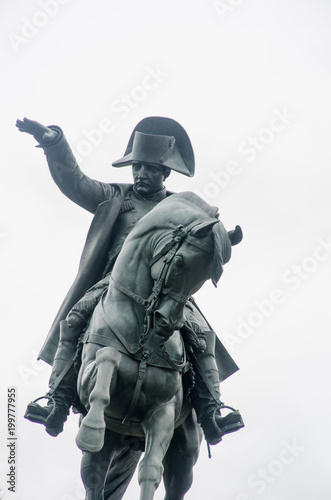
point(130, 349)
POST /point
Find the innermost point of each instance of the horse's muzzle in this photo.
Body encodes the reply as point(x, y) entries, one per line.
point(165, 327)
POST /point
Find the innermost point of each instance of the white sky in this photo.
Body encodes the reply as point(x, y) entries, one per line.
point(227, 75)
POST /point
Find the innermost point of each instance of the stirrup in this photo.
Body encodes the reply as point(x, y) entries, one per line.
point(53, 421)
point(39, 419)
point(238, 421)
point(213, 431)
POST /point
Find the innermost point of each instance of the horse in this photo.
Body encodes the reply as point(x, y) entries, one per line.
point(133, 358)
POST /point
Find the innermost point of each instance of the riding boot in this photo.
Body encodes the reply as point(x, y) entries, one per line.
point(62, 383)
point(205, 396)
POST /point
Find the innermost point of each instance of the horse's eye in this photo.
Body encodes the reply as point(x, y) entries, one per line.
point(179, 260)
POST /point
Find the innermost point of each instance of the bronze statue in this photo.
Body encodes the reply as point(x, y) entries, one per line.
point(113, 311)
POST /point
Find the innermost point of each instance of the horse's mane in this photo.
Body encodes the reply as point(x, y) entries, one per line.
point(193, 198)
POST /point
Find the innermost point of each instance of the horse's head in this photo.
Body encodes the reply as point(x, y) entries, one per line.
point(176, 247)
point(184, 259)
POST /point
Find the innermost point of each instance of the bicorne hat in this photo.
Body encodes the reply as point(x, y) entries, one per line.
point(160, 141)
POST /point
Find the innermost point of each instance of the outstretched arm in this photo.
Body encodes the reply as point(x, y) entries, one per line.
point(81, 189)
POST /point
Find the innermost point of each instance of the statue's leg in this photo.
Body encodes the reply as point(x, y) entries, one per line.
point(122, 469)
point(63, 380)
point(83, 309)
point(180, 458)
point(62, 383)
point(107, 474)
point(159, 429)
point(90, 436)
point(94, 467)
point(205, 395)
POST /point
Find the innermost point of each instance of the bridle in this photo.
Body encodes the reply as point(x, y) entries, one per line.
point(167, 253)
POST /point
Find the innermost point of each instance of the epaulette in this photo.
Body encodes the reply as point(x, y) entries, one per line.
point(127, 204)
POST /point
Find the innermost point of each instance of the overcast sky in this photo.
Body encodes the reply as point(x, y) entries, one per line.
point(250, 82)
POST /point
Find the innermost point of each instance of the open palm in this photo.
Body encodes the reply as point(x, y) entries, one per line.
point(40, 132)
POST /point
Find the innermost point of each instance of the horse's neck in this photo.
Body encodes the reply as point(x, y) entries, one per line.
point(130, 277)
point(132, 268)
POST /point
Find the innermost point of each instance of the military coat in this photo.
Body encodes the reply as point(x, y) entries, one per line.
point(105, 202)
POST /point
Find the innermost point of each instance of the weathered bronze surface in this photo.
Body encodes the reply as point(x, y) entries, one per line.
point(131, 310)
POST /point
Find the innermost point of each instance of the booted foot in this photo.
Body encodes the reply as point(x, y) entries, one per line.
point(215, 426)
point(51, 416)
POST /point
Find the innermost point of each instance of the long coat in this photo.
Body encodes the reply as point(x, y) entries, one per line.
point(105, 202)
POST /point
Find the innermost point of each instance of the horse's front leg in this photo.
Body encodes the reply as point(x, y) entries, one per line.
point(159, 429)
point(91, 433)
point(180, 458)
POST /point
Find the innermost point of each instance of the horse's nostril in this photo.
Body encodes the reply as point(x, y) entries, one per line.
point(160, 320)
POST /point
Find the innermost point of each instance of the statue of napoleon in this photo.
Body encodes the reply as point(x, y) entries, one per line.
point(156, 147)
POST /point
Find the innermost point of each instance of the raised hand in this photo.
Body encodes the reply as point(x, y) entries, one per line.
point(40, 132)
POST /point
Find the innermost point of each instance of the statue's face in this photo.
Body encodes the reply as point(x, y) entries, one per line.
point(148, 179)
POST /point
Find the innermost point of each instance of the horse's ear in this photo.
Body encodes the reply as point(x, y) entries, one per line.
point(204, 228)
point(236, 235)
